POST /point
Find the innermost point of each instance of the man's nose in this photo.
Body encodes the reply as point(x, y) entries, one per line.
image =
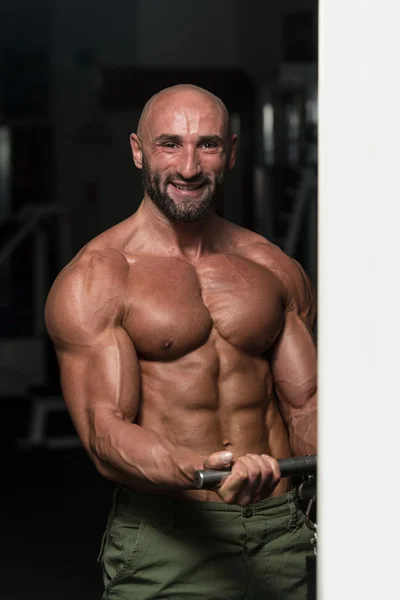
point(189, 165)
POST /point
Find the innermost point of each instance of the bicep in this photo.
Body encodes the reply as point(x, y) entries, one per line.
point(98, 363)
point(293, 363)
point(303, 295)
point(98, 381)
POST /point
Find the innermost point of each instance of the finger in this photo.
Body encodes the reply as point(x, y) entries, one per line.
point(270, 476)
point(263, 474)
point(266, 477)
point(239, 487)
point(234, 483)
point(218, 460)
point(258, 472)
point(253, 465)
point(274, 465)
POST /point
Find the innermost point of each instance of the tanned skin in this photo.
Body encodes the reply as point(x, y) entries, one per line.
point(185, 343)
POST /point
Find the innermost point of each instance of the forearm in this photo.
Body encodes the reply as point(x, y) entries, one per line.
point(127, 453)
point(302, 426)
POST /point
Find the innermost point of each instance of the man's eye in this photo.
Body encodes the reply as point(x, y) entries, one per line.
point(209, 145)
point(169, 145)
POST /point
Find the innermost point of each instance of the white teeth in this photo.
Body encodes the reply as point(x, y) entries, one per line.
point(187, 188)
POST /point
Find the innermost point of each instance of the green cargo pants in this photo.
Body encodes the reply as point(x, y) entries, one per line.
point(155, 548)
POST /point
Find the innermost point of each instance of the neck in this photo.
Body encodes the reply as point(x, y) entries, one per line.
point(191, 240)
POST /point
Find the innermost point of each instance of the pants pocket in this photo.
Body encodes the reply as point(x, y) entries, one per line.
point(120, 543)
point(111, 516)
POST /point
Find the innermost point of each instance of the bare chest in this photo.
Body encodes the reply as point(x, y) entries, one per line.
point(173, 307)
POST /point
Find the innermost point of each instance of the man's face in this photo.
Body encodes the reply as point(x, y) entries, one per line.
point(191, 201)
point(186, 154)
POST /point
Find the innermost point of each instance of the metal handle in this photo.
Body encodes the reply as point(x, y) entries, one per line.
point(298, 465)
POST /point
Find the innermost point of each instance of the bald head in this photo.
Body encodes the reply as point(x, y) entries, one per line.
point(180, 96)
point(184, 149)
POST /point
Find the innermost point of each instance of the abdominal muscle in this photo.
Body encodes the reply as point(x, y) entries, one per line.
point(211, 401)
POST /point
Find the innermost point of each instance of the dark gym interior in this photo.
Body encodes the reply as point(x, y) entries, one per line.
point(74, 77)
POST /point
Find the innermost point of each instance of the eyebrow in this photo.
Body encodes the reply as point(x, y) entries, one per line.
point(177, 139)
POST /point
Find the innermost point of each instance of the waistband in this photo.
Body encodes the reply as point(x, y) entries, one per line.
point(272, 506)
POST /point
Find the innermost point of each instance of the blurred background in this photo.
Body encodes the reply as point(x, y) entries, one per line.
point(74, 77)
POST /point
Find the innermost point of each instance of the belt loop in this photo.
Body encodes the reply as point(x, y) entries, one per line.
point(114, 504)
point(292, 522)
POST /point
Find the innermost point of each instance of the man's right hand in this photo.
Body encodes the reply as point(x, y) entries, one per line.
point(252, 477)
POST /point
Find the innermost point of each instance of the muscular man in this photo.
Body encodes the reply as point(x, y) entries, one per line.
point(184, 342)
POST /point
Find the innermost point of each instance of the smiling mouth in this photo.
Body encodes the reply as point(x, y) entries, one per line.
point(188, 187)
point(194, 190)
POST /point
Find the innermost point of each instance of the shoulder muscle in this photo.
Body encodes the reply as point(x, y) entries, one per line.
point(299, 292)
point(86, 297)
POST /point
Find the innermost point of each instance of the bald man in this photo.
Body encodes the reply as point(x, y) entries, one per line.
point(184, 342)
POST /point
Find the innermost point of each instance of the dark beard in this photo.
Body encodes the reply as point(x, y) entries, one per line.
point(187, 210)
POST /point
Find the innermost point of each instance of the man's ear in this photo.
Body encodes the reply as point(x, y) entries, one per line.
point(232, 153)
point(137, 152)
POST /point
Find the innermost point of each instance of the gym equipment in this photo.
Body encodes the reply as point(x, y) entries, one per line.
point(299, 465)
